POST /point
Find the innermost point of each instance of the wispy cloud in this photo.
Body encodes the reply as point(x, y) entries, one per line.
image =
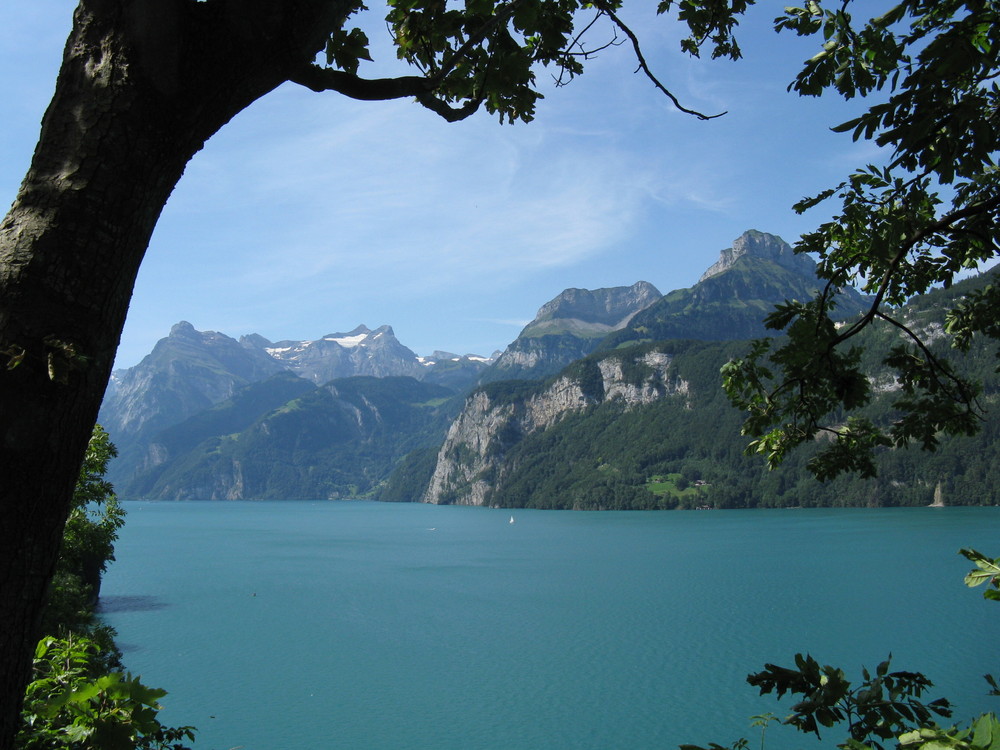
point(312, 211)
point(425, 206)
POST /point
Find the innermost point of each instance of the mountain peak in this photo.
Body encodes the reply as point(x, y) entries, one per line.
point(182, 328)
point(357, 334)
point(601, 306)
point(254, 341)
point(570, 327)
point(758, 244)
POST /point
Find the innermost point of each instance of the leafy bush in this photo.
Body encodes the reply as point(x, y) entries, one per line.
point(73, 703)
point(78, 699)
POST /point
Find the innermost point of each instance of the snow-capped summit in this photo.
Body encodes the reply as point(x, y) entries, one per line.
point(340, 355)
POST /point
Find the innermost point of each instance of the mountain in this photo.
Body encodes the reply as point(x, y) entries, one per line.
point(472, 466)
point(648, 426)
point(340, 355)
point(570, 327)
point(287, 438)
point(762, 246)
point(191, 371)
point(231, 416)
point(454, 370)
point(638, 422)
point(186, 372)
point(733, 296)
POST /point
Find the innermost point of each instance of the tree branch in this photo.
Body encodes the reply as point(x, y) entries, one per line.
point(649, 74)
point(445, 110)
point(316, 78)
point(959, 392)
point(583, 52)
point(942, 224)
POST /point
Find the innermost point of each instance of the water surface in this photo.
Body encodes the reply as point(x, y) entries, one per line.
point(294, 625)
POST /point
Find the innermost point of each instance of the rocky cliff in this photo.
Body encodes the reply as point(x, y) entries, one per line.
point(570, 327)
point(471, 466)
point(585, 310)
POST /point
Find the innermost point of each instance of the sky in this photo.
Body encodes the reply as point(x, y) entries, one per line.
point(311, 214)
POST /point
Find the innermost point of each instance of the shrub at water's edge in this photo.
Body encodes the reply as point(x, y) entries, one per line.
point(79, 698)
point(887, 707)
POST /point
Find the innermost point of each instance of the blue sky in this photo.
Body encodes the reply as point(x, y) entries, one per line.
point(312, 213)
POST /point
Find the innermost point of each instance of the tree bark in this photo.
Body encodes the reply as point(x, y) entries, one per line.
point(143, 84)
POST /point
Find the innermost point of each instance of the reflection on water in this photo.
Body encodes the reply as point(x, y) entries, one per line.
point(130, 603)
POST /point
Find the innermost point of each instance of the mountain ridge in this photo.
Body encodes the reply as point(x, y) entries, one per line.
point(245, 442)
point(568, 327)
point(191, 371)
point(734, 295)
point(615, 431)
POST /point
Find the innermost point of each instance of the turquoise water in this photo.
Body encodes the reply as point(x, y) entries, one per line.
point(293, 626)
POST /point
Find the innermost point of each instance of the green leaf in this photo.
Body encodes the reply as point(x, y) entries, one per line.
point(986, 570)
point(986, 732)
point(78, 732)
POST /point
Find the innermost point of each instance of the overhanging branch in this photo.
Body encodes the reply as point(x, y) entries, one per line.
point(316, 78)
point(944, 224)
point(445, 110)
point(957, 389)
point(649, 74)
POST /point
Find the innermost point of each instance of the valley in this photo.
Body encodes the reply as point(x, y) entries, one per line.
point(608, 399)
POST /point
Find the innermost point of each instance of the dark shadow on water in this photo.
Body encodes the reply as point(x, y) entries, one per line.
point(129, 648)
point(130, 603)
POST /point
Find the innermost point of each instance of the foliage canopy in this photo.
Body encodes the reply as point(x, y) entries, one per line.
point(925, 214)
point(485, 53)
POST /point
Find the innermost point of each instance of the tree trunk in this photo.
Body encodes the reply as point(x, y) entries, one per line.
point(143, 84)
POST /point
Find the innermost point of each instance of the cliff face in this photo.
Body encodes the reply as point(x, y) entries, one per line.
point(568, 328)
point(471, 464)
point(603, 309)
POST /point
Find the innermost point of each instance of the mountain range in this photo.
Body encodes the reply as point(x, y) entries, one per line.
point(191, 372)
point(609, 398)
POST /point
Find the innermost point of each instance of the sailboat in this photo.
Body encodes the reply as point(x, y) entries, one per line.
point(511, 519)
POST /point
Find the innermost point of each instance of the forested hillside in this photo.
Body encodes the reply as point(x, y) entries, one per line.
point(687, 451)
point(287, 439)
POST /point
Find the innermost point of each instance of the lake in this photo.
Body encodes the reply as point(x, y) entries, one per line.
point(319, 625)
